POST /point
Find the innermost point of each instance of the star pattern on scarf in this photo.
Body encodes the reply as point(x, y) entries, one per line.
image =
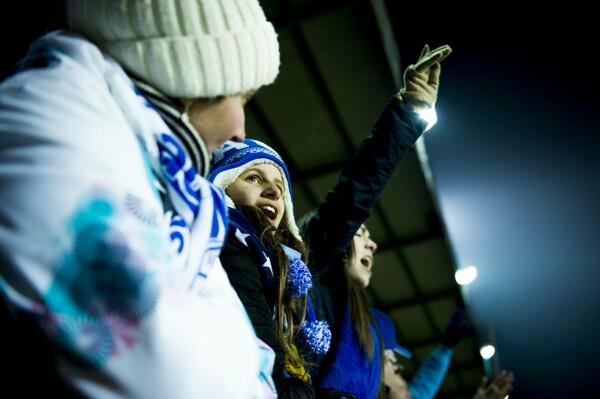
point(241, 236)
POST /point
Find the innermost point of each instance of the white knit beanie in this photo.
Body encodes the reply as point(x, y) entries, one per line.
point(184, 48)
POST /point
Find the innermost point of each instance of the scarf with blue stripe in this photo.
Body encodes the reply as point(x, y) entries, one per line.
point(314, 335)
point(198, 211)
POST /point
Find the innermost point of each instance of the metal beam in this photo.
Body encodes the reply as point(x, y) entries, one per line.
point(327, 168)
point(399, 243)
point(421, 299)
point(324, 93)
point(287, 16)
point(431, 341)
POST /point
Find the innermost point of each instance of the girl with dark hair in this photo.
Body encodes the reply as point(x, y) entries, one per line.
point(264, 258)
point(341, 249)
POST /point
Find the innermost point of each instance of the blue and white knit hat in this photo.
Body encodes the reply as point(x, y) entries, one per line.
point(234, 158)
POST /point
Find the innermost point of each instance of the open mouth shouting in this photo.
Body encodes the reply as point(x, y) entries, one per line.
point(367, 261)
point(270, 212)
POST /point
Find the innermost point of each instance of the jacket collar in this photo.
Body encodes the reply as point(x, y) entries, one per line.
point(179, 123)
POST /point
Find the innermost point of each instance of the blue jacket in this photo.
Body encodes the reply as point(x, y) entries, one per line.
point(351, 370)
point(429, 377)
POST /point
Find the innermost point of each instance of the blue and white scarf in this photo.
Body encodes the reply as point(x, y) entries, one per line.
point(314, 334)
point(199, 213)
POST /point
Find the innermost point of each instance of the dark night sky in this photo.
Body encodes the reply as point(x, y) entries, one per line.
point(23, 22)
point(516, 159)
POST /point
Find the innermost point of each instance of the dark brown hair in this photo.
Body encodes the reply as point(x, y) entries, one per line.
point(289, 312)
point(360, 315)
point(358, 305)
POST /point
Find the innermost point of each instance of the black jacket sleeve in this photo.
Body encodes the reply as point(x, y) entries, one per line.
point(330, 230)
point(245, 278)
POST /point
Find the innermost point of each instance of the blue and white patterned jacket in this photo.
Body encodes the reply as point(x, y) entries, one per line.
point(109, 239)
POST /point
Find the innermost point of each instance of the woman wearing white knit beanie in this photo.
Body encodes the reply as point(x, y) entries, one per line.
point(106, 133)
point(186, 49)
